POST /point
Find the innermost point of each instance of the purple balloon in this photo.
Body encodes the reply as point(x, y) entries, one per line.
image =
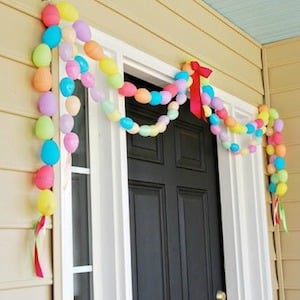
point(96, 94)
point(216, 103)
point(71, 142)
point(181, 85)
point(278, 125)
point(166, 97)
point(83, 31)
point(48, 104)
point(66, 123)
point(65, 51)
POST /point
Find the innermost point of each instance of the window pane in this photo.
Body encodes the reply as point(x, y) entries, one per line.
point(80, 158)
point(81, 213)
point(82, 286)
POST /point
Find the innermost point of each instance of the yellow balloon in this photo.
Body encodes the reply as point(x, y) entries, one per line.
point(281, 189)
point(115, 116)
point(108, 66)
point(67, 11)
point(270, 150)
point(207, 110)
point(46, 203)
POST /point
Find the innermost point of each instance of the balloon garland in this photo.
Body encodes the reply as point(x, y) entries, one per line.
point(191, 78)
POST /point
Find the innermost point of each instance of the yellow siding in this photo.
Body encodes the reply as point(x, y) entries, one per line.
point(282, 73)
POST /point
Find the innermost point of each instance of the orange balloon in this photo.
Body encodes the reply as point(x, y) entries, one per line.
point(93, 50)
point(263, 107)
point(142, 95)
point(230, 121)
point(187, 67)
point(280, 150)
point(42, 79)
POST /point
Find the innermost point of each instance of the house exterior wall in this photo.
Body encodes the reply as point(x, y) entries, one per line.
point(172, 32)
point(282, 84)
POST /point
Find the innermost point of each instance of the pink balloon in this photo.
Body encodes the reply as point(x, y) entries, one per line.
point(71, 142)
point(215, 129)
point(66, 123)
point(44, 177)
point(65, 51)
point(83, 31)
point(73, 69)
point(87, 79)
point(97, 94)
point(48, 104)
point(128, 89)
point(205, 98)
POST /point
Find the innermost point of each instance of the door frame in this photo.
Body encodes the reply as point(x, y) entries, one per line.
point(242, 192)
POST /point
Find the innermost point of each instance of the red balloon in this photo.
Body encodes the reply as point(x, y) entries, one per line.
point(50, 15)
point(44, 177)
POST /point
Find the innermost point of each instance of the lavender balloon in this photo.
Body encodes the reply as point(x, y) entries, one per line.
point(48, 104)
point(66, 123)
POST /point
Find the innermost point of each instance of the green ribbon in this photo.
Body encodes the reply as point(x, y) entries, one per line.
point(282, 217)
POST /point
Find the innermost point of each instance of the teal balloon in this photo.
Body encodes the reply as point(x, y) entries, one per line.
point(52, 36)
point(234, 147)
point(156, 98)
point(182, 75)
point(126, 123)
point(84, 65)
point(44, 128)
point(272, 187)
point(274, 178)
point(214, 119)
point(279, 163)
point(50, 153)
point(67, 86)
point(108, 107)
point(208, 89)
point(145, 130)
point(41, 56)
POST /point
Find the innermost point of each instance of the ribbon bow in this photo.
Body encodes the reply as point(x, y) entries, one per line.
point(195, 89)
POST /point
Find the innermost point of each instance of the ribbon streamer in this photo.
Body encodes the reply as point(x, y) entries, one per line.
point(276, 219)
point(282, 216)
point(37, 265)
point(195, 89)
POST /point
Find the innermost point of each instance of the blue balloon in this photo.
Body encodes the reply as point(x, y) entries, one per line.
point(182, 75)
point(259, 133)
point(234, 147)
point(67, 86)
point(208, 89)
point(156, 98)
point(126, 123)
point(50, 153)
point(84, 65)
point(250, 128)
point(279, 163)
point(52, 36)
point(214, 119)
point(272, 187)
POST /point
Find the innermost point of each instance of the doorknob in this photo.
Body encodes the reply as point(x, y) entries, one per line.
point(220, 295)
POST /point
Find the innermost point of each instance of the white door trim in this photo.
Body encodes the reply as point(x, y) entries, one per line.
point(246, 248)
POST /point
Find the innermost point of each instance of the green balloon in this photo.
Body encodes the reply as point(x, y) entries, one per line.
point(41, 56)
point(282, 175)
point(44, 128)
point(116, 80)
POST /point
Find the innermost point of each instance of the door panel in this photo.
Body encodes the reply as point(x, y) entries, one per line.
point(176, 235)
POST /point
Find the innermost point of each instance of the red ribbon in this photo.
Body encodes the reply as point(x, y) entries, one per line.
point(276, 219)
point(37, 265)
point(195, 91)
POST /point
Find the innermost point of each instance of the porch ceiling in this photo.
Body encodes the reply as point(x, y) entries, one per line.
point(264, 20)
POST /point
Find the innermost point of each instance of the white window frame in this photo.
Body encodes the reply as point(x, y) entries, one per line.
point(244, 220)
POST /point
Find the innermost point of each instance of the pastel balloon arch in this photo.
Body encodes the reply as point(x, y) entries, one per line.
point(62, 29)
